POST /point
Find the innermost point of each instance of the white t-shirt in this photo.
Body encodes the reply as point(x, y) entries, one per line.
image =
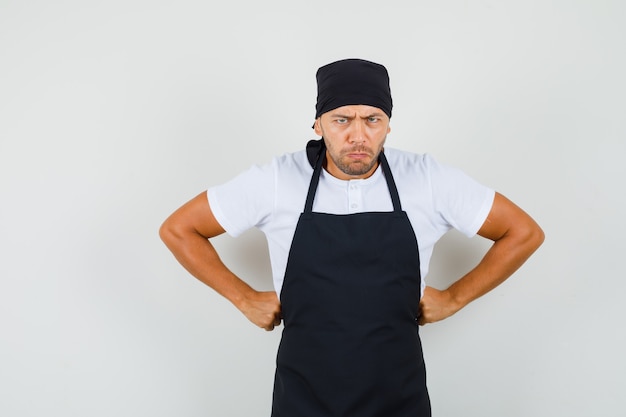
point(271, 197)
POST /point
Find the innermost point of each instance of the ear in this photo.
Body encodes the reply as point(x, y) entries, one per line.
point(317, 127)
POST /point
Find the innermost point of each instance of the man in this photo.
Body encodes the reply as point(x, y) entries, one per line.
point(350, 230)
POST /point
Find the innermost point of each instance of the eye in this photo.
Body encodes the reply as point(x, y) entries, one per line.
point(341, 121)
point(373, 119)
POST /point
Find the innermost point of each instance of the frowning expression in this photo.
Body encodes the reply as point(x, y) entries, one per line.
point(354, 136)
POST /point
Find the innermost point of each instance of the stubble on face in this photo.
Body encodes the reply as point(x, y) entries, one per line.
point(354, 136)
point(367, 160)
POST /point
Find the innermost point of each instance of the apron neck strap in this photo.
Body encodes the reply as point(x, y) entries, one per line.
point(317, 170)
point(391, 183)
point(315, 179)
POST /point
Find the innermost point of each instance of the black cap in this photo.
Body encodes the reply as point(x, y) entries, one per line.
point(352, 81)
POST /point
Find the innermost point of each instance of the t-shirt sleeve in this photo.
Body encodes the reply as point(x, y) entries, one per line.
point(244, 202)
point(462, 202)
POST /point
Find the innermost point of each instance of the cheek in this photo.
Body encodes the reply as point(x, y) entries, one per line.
point(378, 133)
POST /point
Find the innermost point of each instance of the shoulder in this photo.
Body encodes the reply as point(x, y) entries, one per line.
point(426, 164)
point(295, 162)
point(404, 162)
point(286, 165)
point(252, 198)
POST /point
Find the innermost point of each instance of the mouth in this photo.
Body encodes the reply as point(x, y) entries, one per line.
point(358, 155)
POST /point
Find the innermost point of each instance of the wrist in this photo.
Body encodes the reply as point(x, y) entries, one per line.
point(242, 297)
point(456, 300)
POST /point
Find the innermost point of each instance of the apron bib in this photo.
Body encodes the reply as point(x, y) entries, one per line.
point(350, 345)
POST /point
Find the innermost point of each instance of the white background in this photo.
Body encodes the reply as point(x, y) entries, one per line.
point(112, 114)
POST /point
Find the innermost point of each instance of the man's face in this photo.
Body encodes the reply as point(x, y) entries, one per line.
point(354, 136)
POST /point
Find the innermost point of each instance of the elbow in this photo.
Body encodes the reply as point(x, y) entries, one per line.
point(535, 236)
point(541, 236)
point(167, 233)
point(163, 232)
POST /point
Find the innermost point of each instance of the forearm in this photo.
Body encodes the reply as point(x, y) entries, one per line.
point(515, 235)
point(504, 257)
point(198, 256)
point(186, 233)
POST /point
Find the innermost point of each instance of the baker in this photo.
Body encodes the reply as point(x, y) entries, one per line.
point(351, 226)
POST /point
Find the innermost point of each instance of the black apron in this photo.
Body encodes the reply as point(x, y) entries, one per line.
point(350, 298)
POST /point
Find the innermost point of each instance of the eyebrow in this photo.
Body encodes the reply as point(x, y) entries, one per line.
point(343, 116)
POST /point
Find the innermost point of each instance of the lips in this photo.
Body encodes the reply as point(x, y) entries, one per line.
point(358, 155)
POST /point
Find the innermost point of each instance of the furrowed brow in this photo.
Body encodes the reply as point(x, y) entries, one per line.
point(341, 116)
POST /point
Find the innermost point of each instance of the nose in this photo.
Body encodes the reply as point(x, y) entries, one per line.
point(357, 135)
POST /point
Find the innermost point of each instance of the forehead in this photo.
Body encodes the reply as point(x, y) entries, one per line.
point(356, 110)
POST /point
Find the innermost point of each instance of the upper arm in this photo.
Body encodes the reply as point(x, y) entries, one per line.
point(506, 218)
point(195, 216)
